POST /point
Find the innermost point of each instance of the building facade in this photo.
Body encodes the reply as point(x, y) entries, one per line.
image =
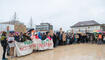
point(44, 27)
point(87, 26)
point(13, 26)
point(3, 27)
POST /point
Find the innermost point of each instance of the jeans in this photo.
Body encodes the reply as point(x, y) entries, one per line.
point(68, 41)
point(4, 52)
point(57, 43)
point(76, 40)
point(99, 41)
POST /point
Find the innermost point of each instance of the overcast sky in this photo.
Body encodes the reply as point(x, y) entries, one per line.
point(60, 13)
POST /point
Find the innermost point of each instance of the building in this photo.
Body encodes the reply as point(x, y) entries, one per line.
point(3, 27)
point(13, 25)
point(87, 26)
point(44, 27)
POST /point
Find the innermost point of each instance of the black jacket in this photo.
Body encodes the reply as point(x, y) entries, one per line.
point(4, 41)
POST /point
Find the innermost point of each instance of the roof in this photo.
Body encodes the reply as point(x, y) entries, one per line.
point(11, 22)
point(85, 23)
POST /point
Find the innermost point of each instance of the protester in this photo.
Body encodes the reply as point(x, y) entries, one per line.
point(76, 38)
point(57, 38)
point(104, 39)
point(17, 37)
point(72, 38)
point(11, 42)
point(99, 39)
point(40, 35)
point(60, 36)
point(25, 37)
point(70, 35)
point(68, 38)
point(87, 38)
point(64, 38)
point(43, 36)
point(36, 36)
point(84, 38)
point(91, 38)
point(4, 44)
point(54, 39)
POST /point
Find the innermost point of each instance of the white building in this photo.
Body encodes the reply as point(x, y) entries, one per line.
point(87, 26)
point(13, 25)
point(3, 27)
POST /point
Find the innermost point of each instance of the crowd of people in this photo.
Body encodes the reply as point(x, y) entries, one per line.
point(59, 38)
point(62, 38)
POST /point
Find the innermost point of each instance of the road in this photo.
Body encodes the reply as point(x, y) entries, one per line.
point(68, 52)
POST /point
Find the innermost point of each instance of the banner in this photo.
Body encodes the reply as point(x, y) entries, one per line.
point(24, 48)
point(43, 44)
point(27, 47)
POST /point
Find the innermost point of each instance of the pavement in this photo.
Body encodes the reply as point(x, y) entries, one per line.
point(67, 52)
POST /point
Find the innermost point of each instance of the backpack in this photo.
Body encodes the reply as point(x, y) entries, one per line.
point(3, 41)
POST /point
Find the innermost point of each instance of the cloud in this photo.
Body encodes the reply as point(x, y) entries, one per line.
point(60, 13)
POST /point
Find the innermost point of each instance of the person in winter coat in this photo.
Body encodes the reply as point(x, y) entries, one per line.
point(67, 39)
point(64, 38)
point(40, 35)
point(76, 38)
point(54, 39)
point(104, 39)
point(99, 39)
point(25, 37)
point(57, 38)
point(17, 37)
point(60, 38)
point(4, 44)
point(43, 36)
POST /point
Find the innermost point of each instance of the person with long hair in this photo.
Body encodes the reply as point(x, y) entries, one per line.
point(11, 42)
point(4, 44)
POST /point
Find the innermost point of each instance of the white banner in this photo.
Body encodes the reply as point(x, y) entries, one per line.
point(24, 48)
point(27, 47)
point(43, 44)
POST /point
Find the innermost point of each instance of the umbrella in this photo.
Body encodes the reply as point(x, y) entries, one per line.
point(30, 30)
point(98, 31)
point(103, 31)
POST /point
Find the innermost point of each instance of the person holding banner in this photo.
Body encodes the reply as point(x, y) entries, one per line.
point(43, 36)
point(17, 37)
point(11, 43)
